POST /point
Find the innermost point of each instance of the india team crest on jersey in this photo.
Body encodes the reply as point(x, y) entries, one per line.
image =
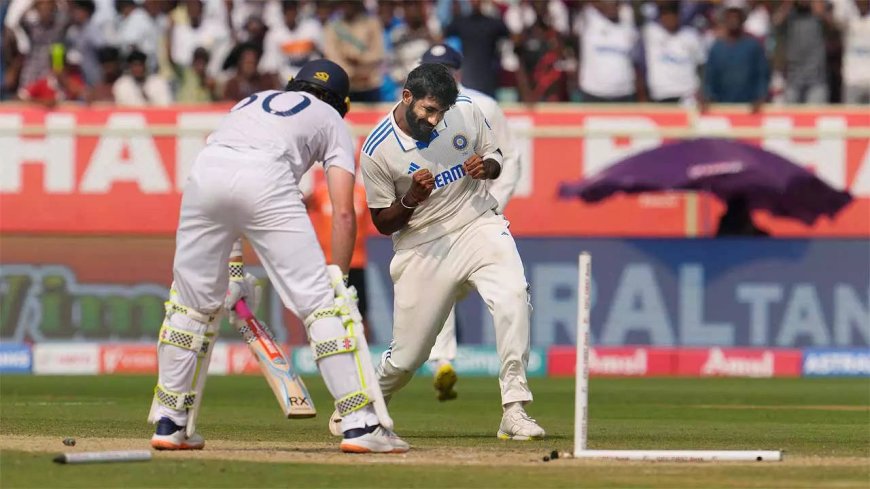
point(460, 141)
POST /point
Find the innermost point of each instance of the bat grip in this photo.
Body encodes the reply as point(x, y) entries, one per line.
point(242, 310)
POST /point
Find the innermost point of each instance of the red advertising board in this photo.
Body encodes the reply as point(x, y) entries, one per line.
point(128, 359)
point(108, 171)
point(738, 362)
point(612, 361)
point(240, 360)
point(683, 362)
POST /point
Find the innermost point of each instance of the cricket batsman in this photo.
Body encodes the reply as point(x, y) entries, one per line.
point(245, 183)
point(444, 352)
point(425, 167)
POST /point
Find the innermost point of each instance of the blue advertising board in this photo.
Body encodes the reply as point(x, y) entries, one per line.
point(470, 361)
point(676, 292)
point(836, 362)
point(15, 358)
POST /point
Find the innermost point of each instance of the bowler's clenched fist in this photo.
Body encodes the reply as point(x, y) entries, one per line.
point(474, 166)
point(422, 184)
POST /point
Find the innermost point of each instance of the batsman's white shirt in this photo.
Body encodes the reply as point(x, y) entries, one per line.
point(291, 127)
point(389, 157)
point(454, 241)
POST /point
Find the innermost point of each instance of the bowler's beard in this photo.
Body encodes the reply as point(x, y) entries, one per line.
point(420, 129)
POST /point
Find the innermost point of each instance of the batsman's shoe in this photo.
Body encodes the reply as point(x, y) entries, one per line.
point(445, 379)
point(335, 424)
point(170, 436)
point(373, 439)
point(517, 425)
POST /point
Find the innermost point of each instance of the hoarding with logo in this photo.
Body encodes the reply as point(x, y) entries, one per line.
point(15, 358)
point(108, 170)
point(663, 292)
point(836, 362)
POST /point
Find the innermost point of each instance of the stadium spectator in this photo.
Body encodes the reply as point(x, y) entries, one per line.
point(324, 11)
point(85, 37)
point(292, 43)
point(737, 220)
point(525, 13)
point(109, 58)
point(800, 27)
point(248, 79)
point(608, 71)
point(672, 57)
point(409, 40)
point(198, 31)
point(44, 30)
point(758, 20)
point(479, 35)
point(853, 17)
point(11, 58)
point(196, 85)
point(388, 16)
point(64, 82)
point(544, 56)
point(737, 69)
point(254, 33)
point(135, 30)
point(236, 14)
point(139, 87)
point(356, 42)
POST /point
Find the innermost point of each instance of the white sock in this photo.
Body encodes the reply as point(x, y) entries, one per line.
point(513, 406)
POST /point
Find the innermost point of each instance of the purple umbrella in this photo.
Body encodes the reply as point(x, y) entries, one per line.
point(727, 169)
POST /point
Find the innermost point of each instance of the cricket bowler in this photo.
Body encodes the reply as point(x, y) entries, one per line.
point(444, 352)
point(425, 167)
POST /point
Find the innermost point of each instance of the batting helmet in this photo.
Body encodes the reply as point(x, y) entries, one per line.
point(326, 80)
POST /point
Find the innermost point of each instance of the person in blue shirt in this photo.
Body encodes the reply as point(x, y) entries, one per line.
point(737, 69)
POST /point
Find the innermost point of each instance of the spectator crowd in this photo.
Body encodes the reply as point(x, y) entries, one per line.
point(160, 52)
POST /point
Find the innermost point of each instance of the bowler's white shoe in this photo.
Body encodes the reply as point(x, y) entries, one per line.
point(170, 436)
point(335, 424)
point(517, 425)
point(373, 439)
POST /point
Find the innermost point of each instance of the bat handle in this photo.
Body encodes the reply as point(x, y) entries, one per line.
point(242, 310)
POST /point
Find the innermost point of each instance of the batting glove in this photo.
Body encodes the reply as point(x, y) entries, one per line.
point(243, 288)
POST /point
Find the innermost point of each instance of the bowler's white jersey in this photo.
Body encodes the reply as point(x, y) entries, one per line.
point(502, 188)
point(292, 127)
point(389, 157)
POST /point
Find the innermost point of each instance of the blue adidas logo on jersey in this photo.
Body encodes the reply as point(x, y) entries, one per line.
point(414, 167)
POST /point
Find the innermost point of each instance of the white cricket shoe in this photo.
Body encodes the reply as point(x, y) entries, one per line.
point(170, 436)
point(373, 439)
point(335, 424)
point(517, 425)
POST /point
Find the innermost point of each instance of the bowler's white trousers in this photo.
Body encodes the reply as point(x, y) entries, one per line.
point(429, 278)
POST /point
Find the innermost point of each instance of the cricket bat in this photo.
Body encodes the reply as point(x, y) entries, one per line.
point(292, 395)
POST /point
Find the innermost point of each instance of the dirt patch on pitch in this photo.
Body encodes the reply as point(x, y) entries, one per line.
point(327, 453)
point(279, 452)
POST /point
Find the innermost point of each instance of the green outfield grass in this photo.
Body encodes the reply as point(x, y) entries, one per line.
point(822, 424)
